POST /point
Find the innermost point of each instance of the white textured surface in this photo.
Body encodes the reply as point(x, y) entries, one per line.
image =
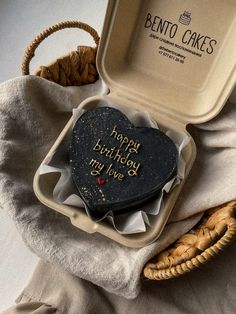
point(16, 262)
point(20, 22)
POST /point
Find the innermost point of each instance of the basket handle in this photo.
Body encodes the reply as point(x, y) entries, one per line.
point(30, 50)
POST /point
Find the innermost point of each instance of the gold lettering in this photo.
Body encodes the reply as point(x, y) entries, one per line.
point(120, 177)
point(123, 160)
point(133, 172)
point(129, 146)
point(97, 145)
point(111, 153)
point(108, 169)
point(97, 165)
point(124, 141)
point(114, 133)
point(115, 174)
point(135, 148)
point(117, 156)
point(104, 150)
point(131, 143)
point(119, 137)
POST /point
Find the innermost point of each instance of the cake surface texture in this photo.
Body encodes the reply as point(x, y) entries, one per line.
point(116, 166)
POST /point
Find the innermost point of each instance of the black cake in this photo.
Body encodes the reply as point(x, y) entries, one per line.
point(116, 166)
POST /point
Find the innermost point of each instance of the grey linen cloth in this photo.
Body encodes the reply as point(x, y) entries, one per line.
point(207, 290)
point(33, 112)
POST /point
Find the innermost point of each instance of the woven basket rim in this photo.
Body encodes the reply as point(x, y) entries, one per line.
point(194, 262)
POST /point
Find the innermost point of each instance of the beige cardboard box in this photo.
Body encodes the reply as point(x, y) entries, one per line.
point(175, 59)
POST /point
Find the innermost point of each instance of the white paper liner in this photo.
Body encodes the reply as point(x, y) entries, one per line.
point(65, 191)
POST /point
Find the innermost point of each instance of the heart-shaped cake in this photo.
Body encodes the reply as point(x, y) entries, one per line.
point(116, 166)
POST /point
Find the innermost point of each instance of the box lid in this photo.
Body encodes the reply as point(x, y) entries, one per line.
point(177, 56)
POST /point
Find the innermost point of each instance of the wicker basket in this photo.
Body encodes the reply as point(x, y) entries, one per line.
point(76, 68)
point(216, 229)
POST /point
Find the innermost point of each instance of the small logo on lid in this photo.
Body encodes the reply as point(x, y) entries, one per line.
point(185, 18)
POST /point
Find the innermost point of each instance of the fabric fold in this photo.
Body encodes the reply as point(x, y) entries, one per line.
point(33, 111)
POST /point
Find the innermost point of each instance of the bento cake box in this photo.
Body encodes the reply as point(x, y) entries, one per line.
point(174, 59)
